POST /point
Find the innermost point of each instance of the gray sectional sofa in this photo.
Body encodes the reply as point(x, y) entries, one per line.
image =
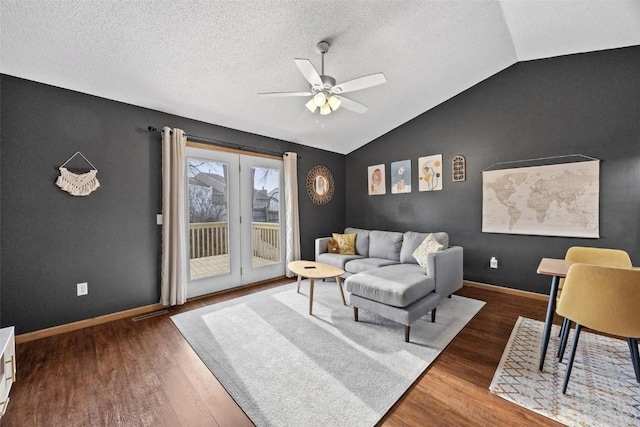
point(383, 277)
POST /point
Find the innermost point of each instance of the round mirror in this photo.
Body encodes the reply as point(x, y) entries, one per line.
point(320, 185)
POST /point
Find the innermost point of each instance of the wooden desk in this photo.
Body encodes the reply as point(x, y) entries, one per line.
point(315, 270)
point(557, 268)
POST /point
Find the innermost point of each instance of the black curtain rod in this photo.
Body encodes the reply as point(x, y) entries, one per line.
point(225, 144)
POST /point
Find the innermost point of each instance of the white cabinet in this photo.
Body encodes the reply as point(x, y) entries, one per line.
point(7, 365)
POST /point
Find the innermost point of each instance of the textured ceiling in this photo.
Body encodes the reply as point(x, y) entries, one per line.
point(207, 60)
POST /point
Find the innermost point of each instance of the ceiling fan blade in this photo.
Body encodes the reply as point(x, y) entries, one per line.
point(285, 94)
point(309, 73)
point(359, 83)
point(352, 105)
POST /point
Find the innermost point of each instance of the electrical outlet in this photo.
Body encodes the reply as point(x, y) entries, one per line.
point(493, 262)
point(83, 288)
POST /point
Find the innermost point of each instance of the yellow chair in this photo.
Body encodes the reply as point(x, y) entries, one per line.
point(605, 299)
point(588, 255)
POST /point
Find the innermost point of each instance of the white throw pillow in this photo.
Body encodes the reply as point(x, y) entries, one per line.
point(429, 245)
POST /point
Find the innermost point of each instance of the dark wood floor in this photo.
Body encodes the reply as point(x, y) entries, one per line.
point(143, 373)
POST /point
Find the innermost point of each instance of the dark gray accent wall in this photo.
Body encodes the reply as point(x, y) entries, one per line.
point(0, 196)
point(587, 104)
point(52, 240)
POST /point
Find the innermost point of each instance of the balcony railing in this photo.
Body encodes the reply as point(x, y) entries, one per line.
point(208, 239)
point(265, 239)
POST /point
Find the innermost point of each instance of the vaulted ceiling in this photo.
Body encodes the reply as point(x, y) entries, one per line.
point(208, 60)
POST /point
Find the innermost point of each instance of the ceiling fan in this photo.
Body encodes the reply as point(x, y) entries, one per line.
point(324, 92)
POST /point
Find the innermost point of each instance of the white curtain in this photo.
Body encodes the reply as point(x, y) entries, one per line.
point(174, 251)
point(292, 220)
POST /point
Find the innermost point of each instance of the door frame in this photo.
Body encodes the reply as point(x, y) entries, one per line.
point(241, 271)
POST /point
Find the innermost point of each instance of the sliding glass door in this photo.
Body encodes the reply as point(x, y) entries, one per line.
point(235, 217)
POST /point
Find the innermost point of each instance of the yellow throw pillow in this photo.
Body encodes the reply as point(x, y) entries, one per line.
point(346, 243)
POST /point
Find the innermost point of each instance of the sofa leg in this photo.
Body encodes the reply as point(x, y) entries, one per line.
point(433, 316)
point(355, 313)
point(407, 329)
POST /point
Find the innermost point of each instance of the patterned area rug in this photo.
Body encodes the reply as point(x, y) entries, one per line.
point(602, 389)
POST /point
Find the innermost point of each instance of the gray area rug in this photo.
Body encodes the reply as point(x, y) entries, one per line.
point(286, 368)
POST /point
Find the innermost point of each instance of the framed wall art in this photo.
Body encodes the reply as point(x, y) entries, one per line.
point(376, 183)
point(320, 185)
point(430, 173)
point(458, 169)
point(401, 177)
point(560, 199)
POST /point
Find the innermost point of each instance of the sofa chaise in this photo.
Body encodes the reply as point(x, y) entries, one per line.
point(383, 277)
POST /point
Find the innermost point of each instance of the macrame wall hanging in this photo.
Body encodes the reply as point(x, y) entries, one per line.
point(78, 184)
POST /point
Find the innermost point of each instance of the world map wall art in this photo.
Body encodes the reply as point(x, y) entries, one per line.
point(552, 200)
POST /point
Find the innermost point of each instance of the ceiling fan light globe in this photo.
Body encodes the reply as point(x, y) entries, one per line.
point(320, 98)
point(325, 109)
point(334, 102)
point(311, 105)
